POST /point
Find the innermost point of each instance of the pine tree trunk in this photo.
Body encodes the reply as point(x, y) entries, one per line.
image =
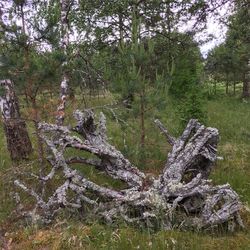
point(18, 141)
point(142, 118)
point(246, 83)
point(31, 92)
point(227, 84)
point(121, 33)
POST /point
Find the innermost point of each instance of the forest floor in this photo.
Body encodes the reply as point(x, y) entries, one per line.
point(229, 114)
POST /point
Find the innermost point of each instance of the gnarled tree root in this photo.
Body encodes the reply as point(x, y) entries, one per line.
point(181, 196)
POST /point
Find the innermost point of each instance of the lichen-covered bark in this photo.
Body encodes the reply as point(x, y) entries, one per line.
point(64, 86)
point(18, 142)
point(182, 196)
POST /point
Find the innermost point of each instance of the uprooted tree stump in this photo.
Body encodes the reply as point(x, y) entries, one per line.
point(181, 197)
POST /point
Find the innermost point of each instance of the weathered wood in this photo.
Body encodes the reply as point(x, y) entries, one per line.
point(181, 196)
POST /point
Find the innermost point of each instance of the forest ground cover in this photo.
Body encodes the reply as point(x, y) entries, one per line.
point(230, 115)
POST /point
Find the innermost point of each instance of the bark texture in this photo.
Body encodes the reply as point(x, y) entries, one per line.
point(246, 83)
point(64, 86)
point(181, 197)
point(18, 142)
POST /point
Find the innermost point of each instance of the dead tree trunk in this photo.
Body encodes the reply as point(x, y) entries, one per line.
point(181, 197)
point(18, 142)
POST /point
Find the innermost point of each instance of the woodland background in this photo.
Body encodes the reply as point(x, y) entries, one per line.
point(130, 60)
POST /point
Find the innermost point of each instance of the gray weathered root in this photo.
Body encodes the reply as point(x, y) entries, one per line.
point(181, 196)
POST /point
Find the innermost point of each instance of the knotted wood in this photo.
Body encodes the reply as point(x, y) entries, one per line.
point(181, 197)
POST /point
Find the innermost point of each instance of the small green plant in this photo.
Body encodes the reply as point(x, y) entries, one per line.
point(192, 106)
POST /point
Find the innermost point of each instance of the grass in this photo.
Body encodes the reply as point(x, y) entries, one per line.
point(232, 117)
point(73, 235)
point(229, 114)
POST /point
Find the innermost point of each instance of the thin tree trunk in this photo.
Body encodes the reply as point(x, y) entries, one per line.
point(142, 117)
point(64, 87)
point(121, 29)
point(245, 90)
point(215, 87)
point(40, 149)
point(18, 141)
point(31, 95)
point(170, 63)
point(227, 87)
point(246, 83)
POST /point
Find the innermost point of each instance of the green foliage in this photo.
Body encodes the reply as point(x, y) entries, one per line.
point(185, 82)
point(132, 73)
point(192, 106)
point(228, 61)
point(133, 49)
point(188, 69)
point(224, 64)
